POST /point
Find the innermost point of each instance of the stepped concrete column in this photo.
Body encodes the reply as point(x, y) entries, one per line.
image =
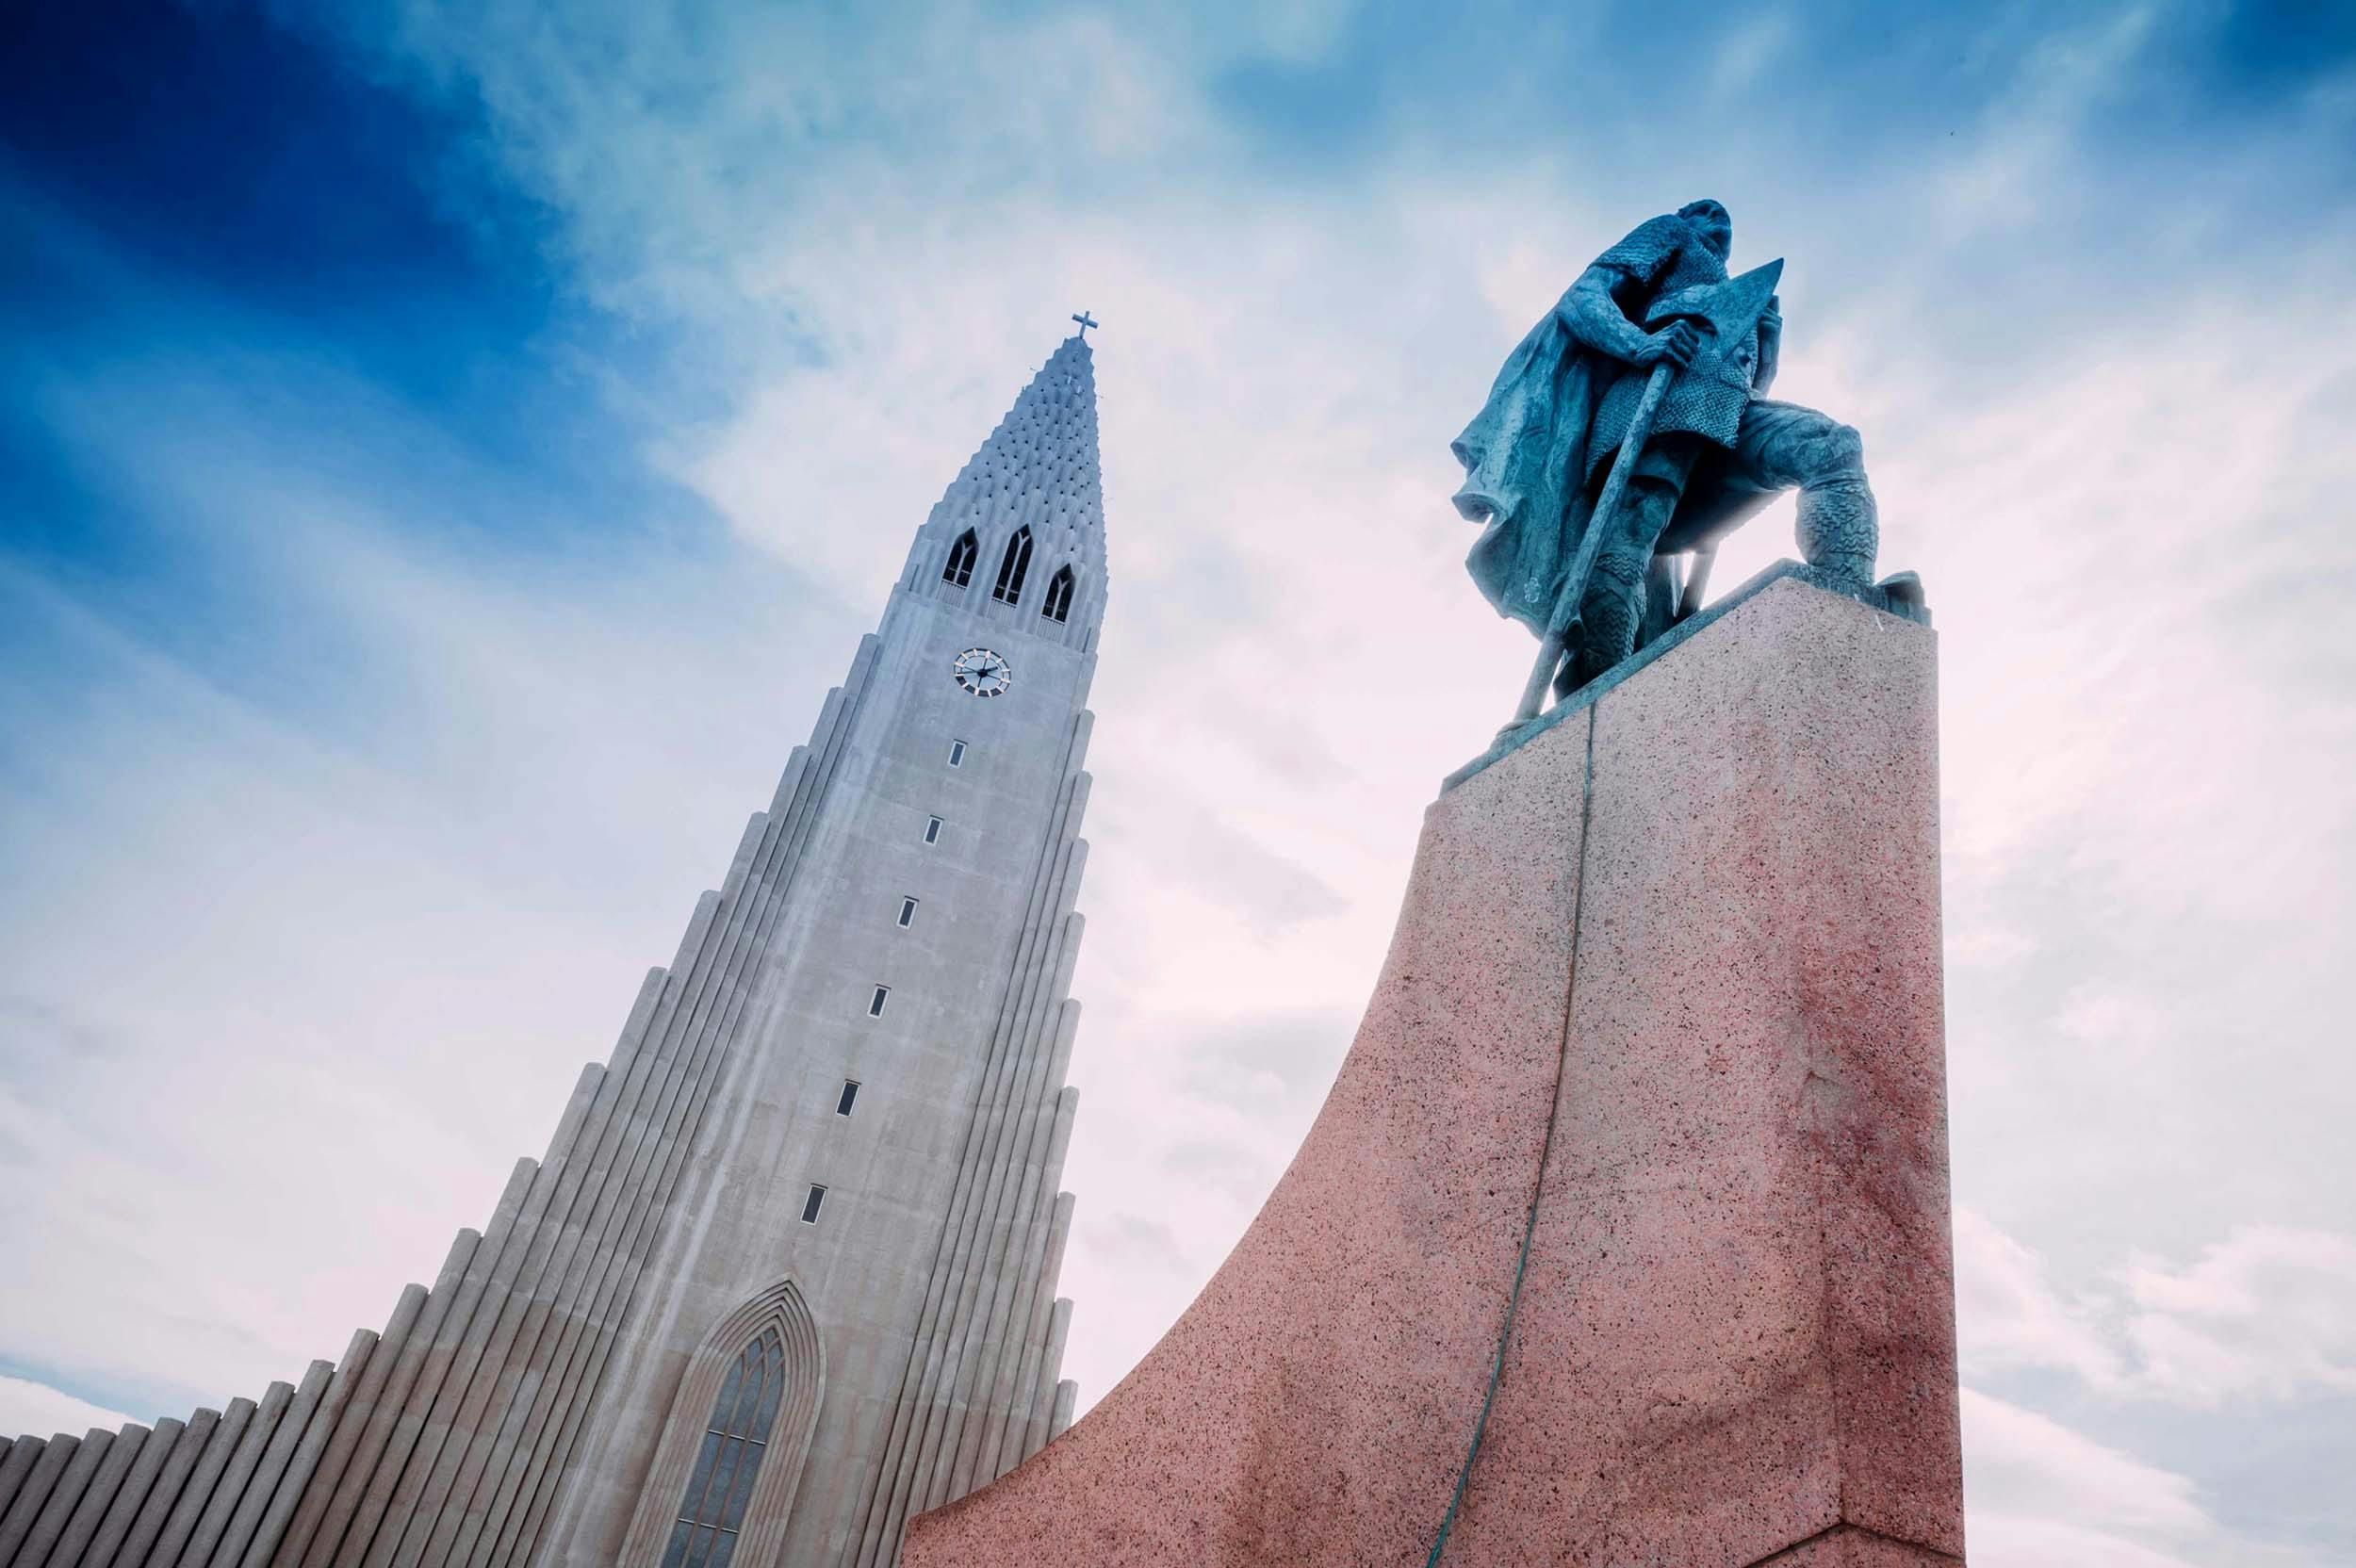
point(1623, 1236)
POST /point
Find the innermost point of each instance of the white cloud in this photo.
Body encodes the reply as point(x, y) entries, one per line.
point(2019, 1463)
point(2005, 1540)
point(2268, 1313)
point(2009, 1314)
point(37, 1409)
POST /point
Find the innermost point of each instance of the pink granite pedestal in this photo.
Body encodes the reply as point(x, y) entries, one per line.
point(1692, 930)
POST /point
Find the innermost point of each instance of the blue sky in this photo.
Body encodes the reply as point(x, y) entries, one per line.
point(446, 453)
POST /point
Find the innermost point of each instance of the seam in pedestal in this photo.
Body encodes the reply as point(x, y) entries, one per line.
point(1546, 1158)
point(1782, 1554)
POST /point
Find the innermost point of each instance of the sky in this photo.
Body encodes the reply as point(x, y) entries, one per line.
point(446, 451)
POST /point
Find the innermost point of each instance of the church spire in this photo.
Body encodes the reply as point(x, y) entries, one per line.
point(1032, 493)
point(1040, 466)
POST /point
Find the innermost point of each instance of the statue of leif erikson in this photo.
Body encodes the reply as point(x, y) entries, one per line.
point(1631, 427)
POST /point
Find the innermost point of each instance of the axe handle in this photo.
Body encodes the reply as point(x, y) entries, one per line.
point(1591, 539)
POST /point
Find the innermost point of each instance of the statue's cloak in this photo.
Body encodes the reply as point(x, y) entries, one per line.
point(1525, 457)
point(1557, 412)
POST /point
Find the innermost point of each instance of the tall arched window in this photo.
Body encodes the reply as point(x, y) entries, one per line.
point(961, 555)
point(736, 1439)
point(1013, 568)
point(721, 1487)
point(1058, 605)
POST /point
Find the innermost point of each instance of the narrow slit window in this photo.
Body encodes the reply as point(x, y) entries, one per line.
point(810, 1204)
point(957, 754)
point(875, 1002)
point(907, 912)
point(1013, 567)
point(961, 569)
point(1058, 603)
point(932, 830)
point(850, 1093)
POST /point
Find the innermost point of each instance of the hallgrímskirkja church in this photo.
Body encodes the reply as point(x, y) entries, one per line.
point(786, 1275)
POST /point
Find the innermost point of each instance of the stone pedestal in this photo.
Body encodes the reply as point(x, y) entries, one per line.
point(1663, 1002)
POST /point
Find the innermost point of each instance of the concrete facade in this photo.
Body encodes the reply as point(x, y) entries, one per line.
point(1623, 1236)
point(664, 1308)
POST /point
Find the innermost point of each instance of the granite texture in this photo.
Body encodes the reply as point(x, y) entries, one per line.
point(1735, 1340)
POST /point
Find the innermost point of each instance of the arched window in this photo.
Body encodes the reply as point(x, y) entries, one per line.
point(961, 554)
point(1013, 569)
point(720, 1487)
point(736, 1440)
point(1058, 605)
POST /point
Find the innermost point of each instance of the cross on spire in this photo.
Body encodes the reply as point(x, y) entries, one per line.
point(1086, 322)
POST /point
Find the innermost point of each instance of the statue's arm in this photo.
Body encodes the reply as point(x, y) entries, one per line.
point(1591, 314)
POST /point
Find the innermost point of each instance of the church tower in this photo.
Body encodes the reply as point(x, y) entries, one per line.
point(785, 1276)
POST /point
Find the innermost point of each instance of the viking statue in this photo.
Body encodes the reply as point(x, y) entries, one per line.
point(1655, 341)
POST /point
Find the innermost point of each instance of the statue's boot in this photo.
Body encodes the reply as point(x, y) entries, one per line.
point(1838, 529)
point(1610, 615)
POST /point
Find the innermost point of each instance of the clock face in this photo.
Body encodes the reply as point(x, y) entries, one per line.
point(982, 672)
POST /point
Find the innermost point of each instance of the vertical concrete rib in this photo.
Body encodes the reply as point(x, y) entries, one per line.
point(518, 1532)
point(460, 1400)
point(344, 1508)
point(920, 1413)
point(272, 1467)
point(22, 1455)
point(941, 1346)
point(48, 1525)
point(132, 1494)
point(346, 1425)
point(392, 1490)
point(915, 1420)
point(143, 1546)
point(1031, 1273)
point(212, 1525)
point(1030, 1210)
point(640, 1066)
point(594, 1254)
point(307, 1430)
point(634, 1027)
point(1011, 1190)
point(1067, 1400)
point(1023, 1396)
point(503, 1369)
point(82, 1524)
point(56, 1455)
point(220, 1445)
point(508, 1363)
point(311, 1438)
point(585, 1094)
point(517, 1498)
point(1040, 1426)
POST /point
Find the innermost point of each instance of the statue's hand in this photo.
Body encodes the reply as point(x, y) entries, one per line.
point(1674, 343)
point(1771, 321)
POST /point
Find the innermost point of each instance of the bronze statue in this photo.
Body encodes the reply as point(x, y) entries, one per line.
point(1653, 340)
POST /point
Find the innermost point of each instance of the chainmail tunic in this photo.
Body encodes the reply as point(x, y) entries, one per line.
point(1659, 257)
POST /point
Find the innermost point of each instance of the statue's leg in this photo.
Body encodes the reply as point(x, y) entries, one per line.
point(1613, 606)
point(1786, 446)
